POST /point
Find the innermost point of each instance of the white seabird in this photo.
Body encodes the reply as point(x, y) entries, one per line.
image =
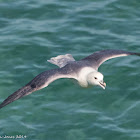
point(85, 71)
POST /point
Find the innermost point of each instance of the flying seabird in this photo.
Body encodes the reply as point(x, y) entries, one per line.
point(85, 71)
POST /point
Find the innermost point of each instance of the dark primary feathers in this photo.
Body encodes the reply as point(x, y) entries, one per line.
point(17, 95)
point(68, 71)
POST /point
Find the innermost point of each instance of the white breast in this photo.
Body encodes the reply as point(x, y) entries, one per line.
point(82, 76)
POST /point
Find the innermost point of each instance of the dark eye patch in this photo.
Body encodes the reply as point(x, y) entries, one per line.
point(95, 77)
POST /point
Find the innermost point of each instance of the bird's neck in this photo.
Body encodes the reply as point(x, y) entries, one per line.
point(83, 76)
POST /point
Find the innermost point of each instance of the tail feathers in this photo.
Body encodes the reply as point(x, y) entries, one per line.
point(61, 60)
point(17, 95)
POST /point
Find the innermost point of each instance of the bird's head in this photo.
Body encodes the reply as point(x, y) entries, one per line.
point(96, 78)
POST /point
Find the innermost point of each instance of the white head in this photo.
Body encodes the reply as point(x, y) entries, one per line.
point(96, 78)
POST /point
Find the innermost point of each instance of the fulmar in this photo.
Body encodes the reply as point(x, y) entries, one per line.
point(85, 71)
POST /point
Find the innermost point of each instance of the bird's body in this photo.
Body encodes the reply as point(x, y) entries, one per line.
point(85, 71)
point(82, 76)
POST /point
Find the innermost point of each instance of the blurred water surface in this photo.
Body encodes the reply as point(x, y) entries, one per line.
point(32, 32)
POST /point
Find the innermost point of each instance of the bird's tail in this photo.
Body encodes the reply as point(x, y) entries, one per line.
point(17, 95)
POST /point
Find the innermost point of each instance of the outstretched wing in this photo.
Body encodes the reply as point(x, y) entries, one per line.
point(97, 58)
point(39, 82)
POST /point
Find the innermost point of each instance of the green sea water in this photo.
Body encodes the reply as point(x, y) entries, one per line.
point(31, 32)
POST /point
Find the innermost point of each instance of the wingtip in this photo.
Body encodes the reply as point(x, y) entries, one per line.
point(16, 95)
point(5, 103)
point(138, 54)
point(1, 106)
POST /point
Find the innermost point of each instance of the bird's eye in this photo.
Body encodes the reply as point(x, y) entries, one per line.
point(95, 78)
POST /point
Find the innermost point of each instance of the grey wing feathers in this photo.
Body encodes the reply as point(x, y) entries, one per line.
point(97, 58)
point(61, 60)
point(40, 81)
